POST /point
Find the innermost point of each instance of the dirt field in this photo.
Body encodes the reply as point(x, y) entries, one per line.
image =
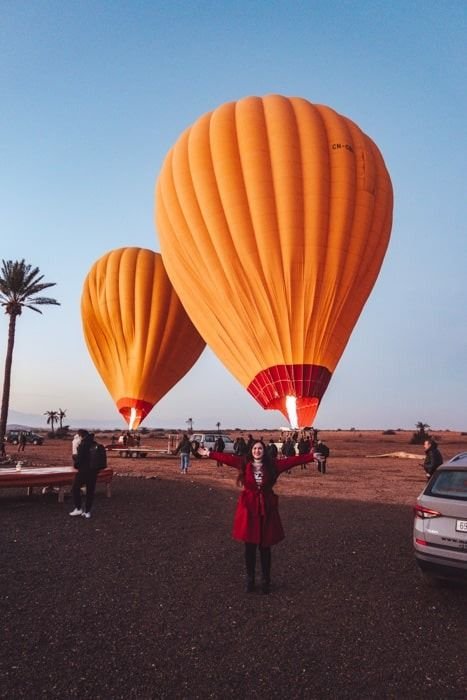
point(355, 471)
point(146, 600)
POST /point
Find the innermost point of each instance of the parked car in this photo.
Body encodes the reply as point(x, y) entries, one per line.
point(440, 523)
point(207, 441)
point(12, 437)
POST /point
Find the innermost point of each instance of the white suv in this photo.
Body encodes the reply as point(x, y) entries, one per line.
point(440, 526)
point(207, 441)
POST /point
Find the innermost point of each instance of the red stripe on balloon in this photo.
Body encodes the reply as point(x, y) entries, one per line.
point(306, 382)
point(289, 380)
point(141, 407)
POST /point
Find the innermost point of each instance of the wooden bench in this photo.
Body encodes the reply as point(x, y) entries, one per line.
point(55, 477)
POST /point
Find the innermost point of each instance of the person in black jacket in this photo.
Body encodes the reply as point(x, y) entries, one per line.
point(433, 457)
point(304, 446)
point(288, 448)
point(239, 446)
point(219, 446)
point(185, 448)
point(85, 476)
point(271, 449)
point(321, 454)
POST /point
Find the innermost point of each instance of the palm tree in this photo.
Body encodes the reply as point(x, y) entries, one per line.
point(61, 416)
point(189, 422)
point(218, 426)
point(421, 435)
point(52, 418)
point(19, 286)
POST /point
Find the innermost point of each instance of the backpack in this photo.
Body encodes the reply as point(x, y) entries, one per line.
point(98, 456)
point(324, 449)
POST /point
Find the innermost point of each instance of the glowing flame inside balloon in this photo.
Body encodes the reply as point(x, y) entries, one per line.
point(291, 406)
point(133, 418)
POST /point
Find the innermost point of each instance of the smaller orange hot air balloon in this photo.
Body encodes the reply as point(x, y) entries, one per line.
point(136, 330)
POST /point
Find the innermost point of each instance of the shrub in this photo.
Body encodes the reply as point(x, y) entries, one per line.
point(419, 438)
point(63, 432)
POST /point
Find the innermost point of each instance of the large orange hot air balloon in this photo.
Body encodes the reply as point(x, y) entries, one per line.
point(274, 216)
point(137, 332)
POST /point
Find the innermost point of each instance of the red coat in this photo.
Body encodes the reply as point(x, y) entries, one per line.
point(257, 518)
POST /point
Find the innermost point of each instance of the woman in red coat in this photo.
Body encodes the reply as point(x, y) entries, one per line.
point(257, 521)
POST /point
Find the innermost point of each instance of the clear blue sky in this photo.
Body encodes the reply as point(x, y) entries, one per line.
point(93, 94)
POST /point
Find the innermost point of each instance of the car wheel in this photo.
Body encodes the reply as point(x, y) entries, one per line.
point(35, 442)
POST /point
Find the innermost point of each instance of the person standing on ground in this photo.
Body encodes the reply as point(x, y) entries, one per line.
point(433, 457)
point(240, 447)
point(272, 450)
point(288, 448)
point(321, 454)
point(85, 476)
point(22, 442)
point(249, 443)
point(184, 447)
point(304, 446)
point(219, 446)
point(257, 522)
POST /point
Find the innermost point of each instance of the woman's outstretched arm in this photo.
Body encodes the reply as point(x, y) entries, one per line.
point(288, 462)
point(229, 459)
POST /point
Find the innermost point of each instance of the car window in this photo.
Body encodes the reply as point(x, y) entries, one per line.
point(461, 455)
point(449, 484)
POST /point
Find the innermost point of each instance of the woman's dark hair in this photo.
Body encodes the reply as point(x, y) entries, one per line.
point(269, 464)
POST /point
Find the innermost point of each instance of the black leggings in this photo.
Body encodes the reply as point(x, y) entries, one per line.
point(250, 561)
point(88, 478)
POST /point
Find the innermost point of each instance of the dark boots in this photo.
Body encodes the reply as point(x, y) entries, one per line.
point(265, 554)
point(250, 561)
point(250, 585)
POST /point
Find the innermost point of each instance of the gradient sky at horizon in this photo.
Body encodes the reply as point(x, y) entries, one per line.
point(94, 94)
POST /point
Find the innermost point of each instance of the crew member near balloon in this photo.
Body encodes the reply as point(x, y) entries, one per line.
point(433, 457)
point(257, 522)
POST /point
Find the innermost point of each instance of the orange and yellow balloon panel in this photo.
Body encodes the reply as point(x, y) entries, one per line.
point(137, 332)
point(274, 215)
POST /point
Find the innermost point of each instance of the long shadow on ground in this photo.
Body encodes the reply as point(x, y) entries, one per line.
point(146, 600)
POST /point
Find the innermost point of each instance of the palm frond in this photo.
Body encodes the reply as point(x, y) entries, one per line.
point(21, 283)
point(44, 300)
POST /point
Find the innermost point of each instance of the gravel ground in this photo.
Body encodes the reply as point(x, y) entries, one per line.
point(146, 600)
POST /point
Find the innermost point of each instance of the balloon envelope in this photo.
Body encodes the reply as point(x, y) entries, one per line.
point(137, 332)
point(274, 215)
